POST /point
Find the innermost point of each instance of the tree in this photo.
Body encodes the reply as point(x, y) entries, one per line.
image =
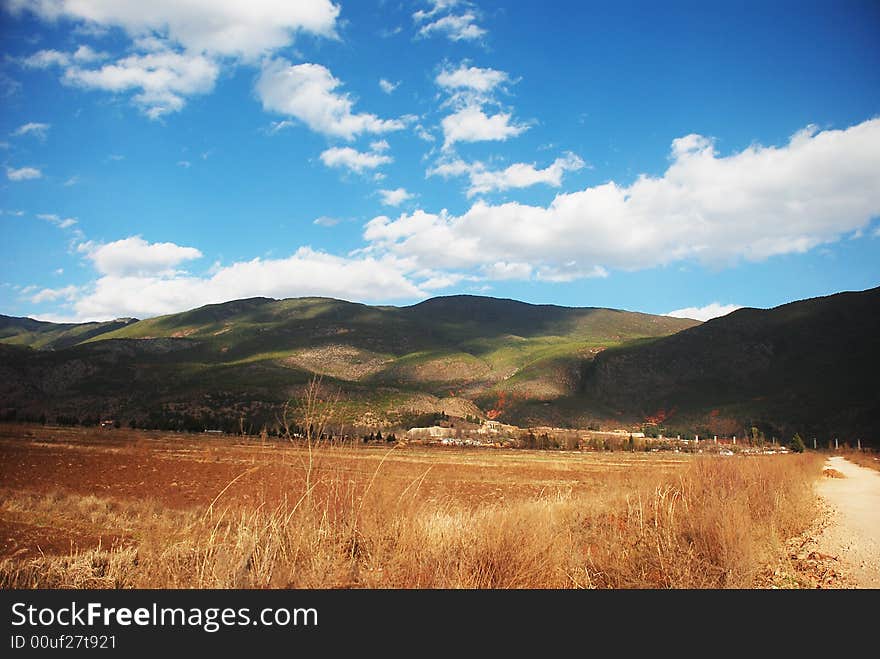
point(757, 437)
point(796, 444)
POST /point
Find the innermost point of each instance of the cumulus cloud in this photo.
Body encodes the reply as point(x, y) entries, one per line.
point(23, 173)
point(308, 93)
point(178, 46)
point(754, 204)
point(219, 27)
point(440, 19)
point(501, 270)
point(471, 124)
point(712, 310)
point(86, 53)
point(470, 89)
point(135, 256)
point(518, 175)
point(44, 59)
point(354, 160)
point(55, 294)
point(162, 80)
point(395, 197)
point(38, 130)
point(470, 77)
point(306, 272)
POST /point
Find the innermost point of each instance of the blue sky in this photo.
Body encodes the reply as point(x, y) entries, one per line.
point(691, 156)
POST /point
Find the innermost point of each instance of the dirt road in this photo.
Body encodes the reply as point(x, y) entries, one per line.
point(853, 534)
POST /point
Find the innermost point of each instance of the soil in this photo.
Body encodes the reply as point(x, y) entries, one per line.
point(842, 550)
point(190, 472)
point(854, 535)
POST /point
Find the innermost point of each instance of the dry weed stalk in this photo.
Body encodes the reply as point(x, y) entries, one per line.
point(712, 522)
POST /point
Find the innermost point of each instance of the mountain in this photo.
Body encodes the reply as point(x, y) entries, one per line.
point(809, 366)
point(463, 355)
point(51, 336)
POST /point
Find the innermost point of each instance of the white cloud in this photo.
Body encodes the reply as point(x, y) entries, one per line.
point(23, 173)
point(73, 180)
point(307, 92)
point(569, 271)
point(61, 223)
point(470, 89)
point(38, 130)
point(278, 126)
point(162, 79)
point(423, 134)
point(44, 59)
point(501, 270)
point(455, 27)
point(518, 175)
point(437, 6)
point(134, 256)
point(387, 86)
point(55, 294)
point(178, 46)
point(712, 310)
point(87, 54)
point(470, 78)
point(471, 124)
point(754, 204)
point(186, 164)
point(386, 33)
point(326, 221)
point(395, 197)
point(442, 280)
point(306, 272)
point(219, 27)
point(354, 160)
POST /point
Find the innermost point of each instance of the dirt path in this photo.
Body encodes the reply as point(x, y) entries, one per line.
point(852, 535)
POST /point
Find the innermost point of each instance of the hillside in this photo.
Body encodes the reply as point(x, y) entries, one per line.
point(459, 354)
point(809, 366)
point(51, 336)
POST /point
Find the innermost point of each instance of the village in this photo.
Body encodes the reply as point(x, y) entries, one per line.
point(495, 434)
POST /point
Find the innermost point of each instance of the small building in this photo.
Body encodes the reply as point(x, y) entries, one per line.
point(430, 432)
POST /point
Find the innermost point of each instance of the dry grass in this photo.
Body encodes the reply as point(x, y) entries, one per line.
point(710, 522)
point(865, 458)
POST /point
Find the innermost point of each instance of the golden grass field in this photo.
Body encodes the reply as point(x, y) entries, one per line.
point(86, 508)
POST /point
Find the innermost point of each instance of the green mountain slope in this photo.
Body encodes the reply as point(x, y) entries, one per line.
point(459, 354)
point(809, 366)
point(51, 336)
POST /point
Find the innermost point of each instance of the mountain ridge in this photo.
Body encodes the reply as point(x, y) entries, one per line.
point(458, 352)
point(806, 366)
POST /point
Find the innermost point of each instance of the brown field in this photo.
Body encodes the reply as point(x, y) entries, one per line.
point(86, 508)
